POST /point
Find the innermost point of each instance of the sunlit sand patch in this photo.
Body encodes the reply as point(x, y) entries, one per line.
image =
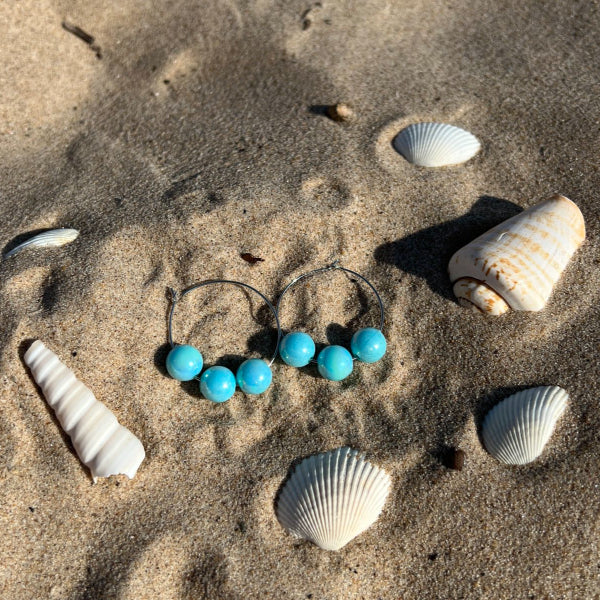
point(176, 69)
point(29, 280)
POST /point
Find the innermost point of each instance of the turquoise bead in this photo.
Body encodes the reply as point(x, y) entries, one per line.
point(184, 363)
point(254, 376)
point(217, 384)
point(335, 363)
point(368, 345)
point(297, 349)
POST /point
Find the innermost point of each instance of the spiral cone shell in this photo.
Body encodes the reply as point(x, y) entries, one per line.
point(516, 430)
point(332, 497)
point(103, 445)
point(517, 263)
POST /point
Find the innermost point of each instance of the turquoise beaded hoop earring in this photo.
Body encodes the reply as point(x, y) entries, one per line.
point(335, 363)
point(217, 383)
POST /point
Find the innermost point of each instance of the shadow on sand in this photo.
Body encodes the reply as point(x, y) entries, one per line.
point(427, 252)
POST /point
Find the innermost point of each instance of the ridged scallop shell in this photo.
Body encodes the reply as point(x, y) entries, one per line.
point(517, 263)
point(516, 430)
point(103, 445)
point(47, 239)
point(436, 144)
point(332, 497)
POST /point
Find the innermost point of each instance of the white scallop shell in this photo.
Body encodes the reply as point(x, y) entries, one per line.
point(436, 144)
point(103, 445)
point(48, 239)
point(516, 430)
point(517, 263)
point(332, 497)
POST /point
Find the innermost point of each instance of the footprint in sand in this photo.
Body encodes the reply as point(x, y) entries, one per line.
point(324, 194)
point(34, 286)
point(158, 571)
point(9, 435)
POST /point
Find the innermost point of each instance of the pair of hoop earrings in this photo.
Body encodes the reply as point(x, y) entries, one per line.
point(297, 349)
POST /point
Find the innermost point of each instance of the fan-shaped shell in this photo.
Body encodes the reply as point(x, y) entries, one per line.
point(332, 497)
point(48, 239)
point(103, 445)
point(516, 430)
point(436, 144)
point(518, 262)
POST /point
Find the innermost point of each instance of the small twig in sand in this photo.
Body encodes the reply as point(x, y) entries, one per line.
point(82, 35)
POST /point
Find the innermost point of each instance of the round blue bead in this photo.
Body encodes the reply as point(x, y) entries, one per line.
point(297, 349)
point(254, 376)
point(368, 344)
point(184, 363)
point(217, 384)
point(335, 363)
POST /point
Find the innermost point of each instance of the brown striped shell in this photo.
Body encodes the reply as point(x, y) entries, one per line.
point(517, 263)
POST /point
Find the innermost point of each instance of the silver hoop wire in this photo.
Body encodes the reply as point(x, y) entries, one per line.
point(332, 267)
point(175, 297)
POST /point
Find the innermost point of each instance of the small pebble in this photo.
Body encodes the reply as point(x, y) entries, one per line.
point(454, 459)
point(340, 112)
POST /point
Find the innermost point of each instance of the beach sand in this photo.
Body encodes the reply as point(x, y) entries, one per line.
point(200, 134)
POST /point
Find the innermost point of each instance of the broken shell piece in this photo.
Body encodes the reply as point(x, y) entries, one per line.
point(516, 430)
point(517, 263)
point(103, 445)
point(436, 144)
point(471, 293)
point(46, 239)
point(340, 112)
point(332, 497)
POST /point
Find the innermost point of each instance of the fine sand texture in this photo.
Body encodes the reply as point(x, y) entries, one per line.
point(189, 133)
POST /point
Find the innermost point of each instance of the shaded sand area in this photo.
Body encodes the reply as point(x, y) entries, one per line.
point(199, 135)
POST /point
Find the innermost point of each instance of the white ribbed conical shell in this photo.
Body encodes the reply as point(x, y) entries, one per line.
point(103, 445)
point(516, 430)
point(521, 259)
point(436, 144)
point(47, 239)
point(332, 497)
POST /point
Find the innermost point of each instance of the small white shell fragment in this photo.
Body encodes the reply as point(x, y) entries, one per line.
point(46, 239)
point(103, 445)
point(517, 263)
point(516, 430)
point(436, 144)
point(332, 497)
